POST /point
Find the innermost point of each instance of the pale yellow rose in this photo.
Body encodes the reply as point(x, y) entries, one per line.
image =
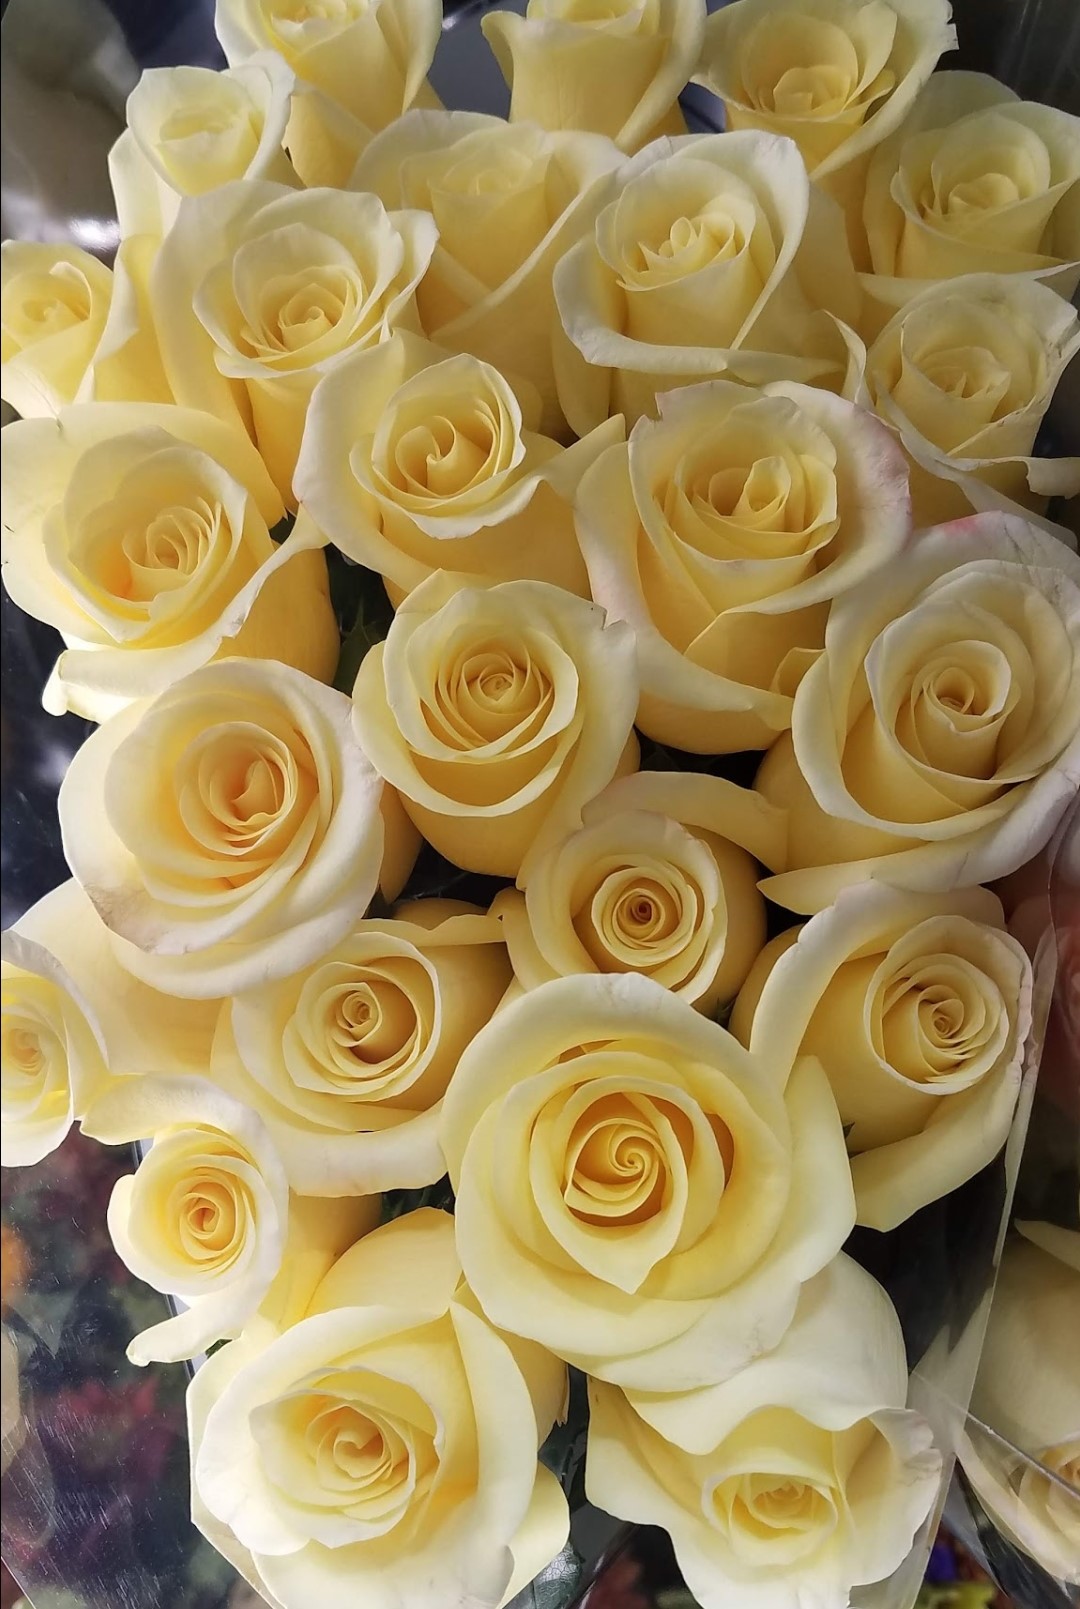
point(229, 832)
point(1028, 1391)
point(974, 181)
point(259, 290)
point(964, 374)
point(508, 202)
point(714, 256)
point(918, 1007)
point(140, 1028)
point(323, 140)
point(799, 1479)
point(616, 67)
point(497, 714)
point(935, 744)
point(52, 1051)
point(634, 1189)
point(206, 1217)
point(835, 76)
point(192, 129)
point(347, 1061)
point(142, 533)
point(371, 57)
point(414, 461)
point(721, 533)
point(661, 879)
point(384, 1449)
point(54, 300)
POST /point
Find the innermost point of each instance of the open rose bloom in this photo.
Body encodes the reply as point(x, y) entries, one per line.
point(557, 639)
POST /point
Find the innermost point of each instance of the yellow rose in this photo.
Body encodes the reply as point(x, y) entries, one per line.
point(143, 1028)
point(347, 1061)
point(508, 202)
point(497, 714)
point(142, 533)
point(634, 1189)
point(964, 374)
point(229, 832)
point(52, 1051)
point(799, 1479)
point(616, 67)
point(974, 181)
point(414, 461)
point(259, 289)
point(383, 1450)
point(721, 533)
point(1028, 1391)
point(54, 301)
point(206, 1217)
point(936, 742)
point(661, 879)
point(371, 57)
point(835, 76)
point(714, 257)
point(918, 1007)
point(323, 140)
point(193, 129)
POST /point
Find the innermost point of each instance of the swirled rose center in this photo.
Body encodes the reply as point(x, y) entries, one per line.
point(986, 163)
point(812, 68)
point(639, 915)
point(210, 1221)
point(489, 692)
point(445, 455)
point(595, 13)
point(351, 1444)
point(756, 1508)
point(302, 21)
point(936, 1016)
point(361, 1030)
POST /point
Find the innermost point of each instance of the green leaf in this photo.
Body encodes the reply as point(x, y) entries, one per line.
point(396, 1203)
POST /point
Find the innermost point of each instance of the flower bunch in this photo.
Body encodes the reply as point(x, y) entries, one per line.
point(430, 505)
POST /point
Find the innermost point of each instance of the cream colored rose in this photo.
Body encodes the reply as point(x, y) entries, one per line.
point(713, 256)
point(799, 1479)
point(936, 742)
point(835, 76)
point(918, 1007)
point(371, 57)
point(52, 1051)
point(259, 290)
point(616, 67)
point(142, 1030)
point(661, 879)
point(964, 374)
point(414, 461)
point(974, 181)
point(634, 1190)
point(193, 129)
point(206, 1215)
point(497, 714)
point(721, 533)
point(54, 300)
point(142, 534)
point(229, 832)
point(383, 1451)
point(348, 1060)
point(1028, 1391)
point(508, 202)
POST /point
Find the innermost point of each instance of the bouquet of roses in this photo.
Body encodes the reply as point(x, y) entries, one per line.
point(419, 483)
